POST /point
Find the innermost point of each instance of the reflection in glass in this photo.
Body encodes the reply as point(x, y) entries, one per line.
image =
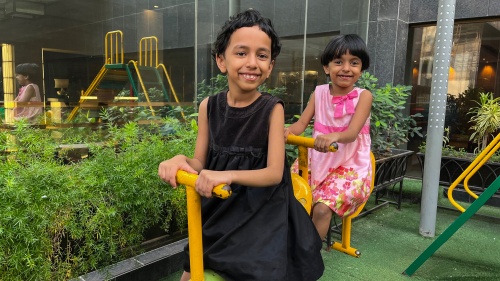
point(475, 58)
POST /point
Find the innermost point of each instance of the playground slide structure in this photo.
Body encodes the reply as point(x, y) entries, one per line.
point(139, 76)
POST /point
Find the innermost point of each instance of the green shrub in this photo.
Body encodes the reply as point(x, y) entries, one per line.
point(390, 126)
point(60, 220)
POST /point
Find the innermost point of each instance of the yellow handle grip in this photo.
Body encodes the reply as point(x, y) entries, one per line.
point(307, 142)
point(222, 191)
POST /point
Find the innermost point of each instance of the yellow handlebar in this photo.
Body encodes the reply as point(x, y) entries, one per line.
point(222, 191)
point(307, 142)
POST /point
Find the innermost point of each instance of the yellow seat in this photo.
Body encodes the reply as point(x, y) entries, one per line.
point(302, 192)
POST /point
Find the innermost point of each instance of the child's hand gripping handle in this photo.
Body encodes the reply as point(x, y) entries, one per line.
point(307, 142)
point(222, 191)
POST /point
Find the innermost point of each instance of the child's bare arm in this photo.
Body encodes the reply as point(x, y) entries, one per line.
point(298, 127)
point(201, 149)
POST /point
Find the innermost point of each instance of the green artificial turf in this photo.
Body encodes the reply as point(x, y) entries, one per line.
point(389, 241)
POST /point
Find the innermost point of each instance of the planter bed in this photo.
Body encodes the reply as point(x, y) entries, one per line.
point(453, 167)
point(152, 265)
point(389, 172)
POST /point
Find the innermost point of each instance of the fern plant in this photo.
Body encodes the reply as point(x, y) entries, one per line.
point(485, 119)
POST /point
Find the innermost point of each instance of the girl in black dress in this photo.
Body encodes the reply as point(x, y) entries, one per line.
point(261, 232)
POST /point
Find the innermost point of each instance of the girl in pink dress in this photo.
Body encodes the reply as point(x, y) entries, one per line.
point(27, 77)
point(340, 181)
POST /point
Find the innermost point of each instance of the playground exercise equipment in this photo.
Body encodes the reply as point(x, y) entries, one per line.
point(302, 193)
point(482, 158)
point(301, 186)
point(115, 74)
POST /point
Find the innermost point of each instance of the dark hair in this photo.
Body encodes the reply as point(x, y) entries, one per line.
point(247, 18)
point(341, 44)
point(32, 70)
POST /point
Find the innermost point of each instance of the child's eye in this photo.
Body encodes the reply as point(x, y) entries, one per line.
point(355, 63)
point(240, 54)
point(337, 62)
point(263, 56)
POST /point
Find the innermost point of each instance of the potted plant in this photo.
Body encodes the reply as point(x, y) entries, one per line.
point(390, 128)
point(485, 119)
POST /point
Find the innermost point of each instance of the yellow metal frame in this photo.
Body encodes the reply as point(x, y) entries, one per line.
point(113, 47)
point(482, 158)
point(136, 67)
point(113, 54)
point(300, 188)
point(194, 221)
point(9, 81)
point(150, 54)
point(90, 90)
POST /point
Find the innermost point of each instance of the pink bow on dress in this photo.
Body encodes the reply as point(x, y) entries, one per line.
point(344, 101)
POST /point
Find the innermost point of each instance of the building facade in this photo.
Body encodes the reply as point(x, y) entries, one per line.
point(67, 38)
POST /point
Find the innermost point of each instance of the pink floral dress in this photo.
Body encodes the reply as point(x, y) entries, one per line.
point(341, 179)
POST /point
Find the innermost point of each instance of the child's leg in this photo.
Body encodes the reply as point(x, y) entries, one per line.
point(322, 215)
point(186, 276)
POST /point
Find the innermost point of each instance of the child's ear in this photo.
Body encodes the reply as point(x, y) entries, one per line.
point(326, 69)
point(221, 63)
point(271, 65)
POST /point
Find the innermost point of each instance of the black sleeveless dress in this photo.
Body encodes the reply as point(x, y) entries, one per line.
point(257, 233)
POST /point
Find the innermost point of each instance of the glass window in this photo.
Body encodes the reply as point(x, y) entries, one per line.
point(474, 63)
point(68, 40)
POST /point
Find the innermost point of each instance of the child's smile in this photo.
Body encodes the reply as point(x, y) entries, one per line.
point(251, 77)
point(344, 71)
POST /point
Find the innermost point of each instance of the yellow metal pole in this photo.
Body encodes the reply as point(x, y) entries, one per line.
point(194, 233)
point(141, 82)
point(484, 159)
point(307, 142)
point(474, 163)
point(303, 167)
point(171, 87)
point(194, 220)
